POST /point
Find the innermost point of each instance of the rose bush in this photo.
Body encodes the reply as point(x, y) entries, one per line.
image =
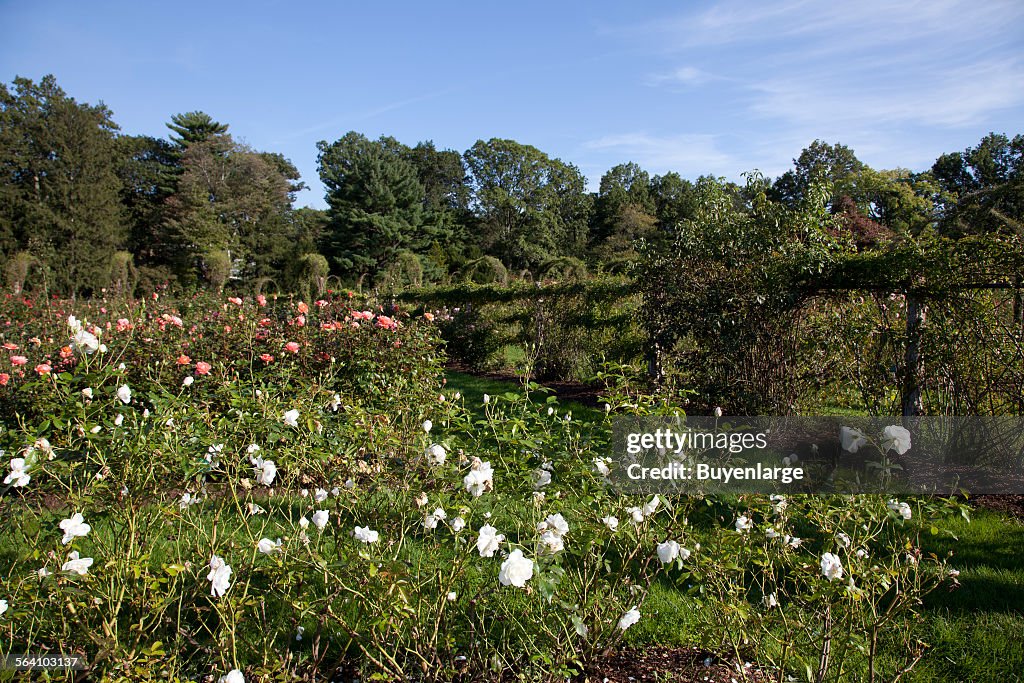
point(313, 498)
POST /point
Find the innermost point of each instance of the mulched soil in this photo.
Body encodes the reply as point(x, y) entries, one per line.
point(1011, 505)
point(664, 665)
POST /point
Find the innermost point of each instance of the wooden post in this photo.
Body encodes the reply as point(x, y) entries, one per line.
point(912, 363)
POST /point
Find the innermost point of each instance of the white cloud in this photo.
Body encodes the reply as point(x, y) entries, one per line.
point(689, 155)
point(684, 75)
point(964, 95)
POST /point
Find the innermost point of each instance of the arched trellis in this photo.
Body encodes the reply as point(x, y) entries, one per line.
point(718, 301)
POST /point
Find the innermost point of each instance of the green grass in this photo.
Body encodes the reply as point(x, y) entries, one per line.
point(977, 631)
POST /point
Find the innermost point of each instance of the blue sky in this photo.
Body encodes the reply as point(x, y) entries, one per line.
point(702, 87)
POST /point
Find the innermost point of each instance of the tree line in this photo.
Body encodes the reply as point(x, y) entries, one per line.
point(84, 208)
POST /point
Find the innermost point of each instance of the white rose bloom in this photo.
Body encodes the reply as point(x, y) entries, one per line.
point(896, 438)
point(458, 524)
point(124, 393)
point(19, 475)
point(636, 513)
point(3, 606)
point(851, 439)
point(602, 466)
point(303, 522)
point(432, 519)
point(552, 542)
point(320, 495)
point(744, 524)
point(427, 426)
point(668, 551)
point(219, 577)
point(266, 546)
point(771, 601)
point(233, 676)
point(489, 540)
point(266, 470)
point(557, 523)
point(611, 522)
point(291, 418)
point(684, 554)
point(436, 454)
point(831, 567)
point(187, 382)
point(542, 477)
point(320, 518)
point(119, 420)
point(74, 527)
point(843, 540)
point(84, 341)
point(366, 534)
point(779, 502)
point(902, 509)
point(487, 399)
point(629, 618)
point(516, 570)
point(652, 506)
point(452, 596)
point(480, 478)
point(77, 565)
point(771, 533)
point(87, 393)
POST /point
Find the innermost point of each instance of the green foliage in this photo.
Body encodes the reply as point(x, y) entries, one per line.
point(122, 274)
point(485, 270)
point(231, 198)
point(195, 126)
point(530, 207)
point(16, 270)
point(217, 268)
point(59, 193)
point(376, 205)
point(723, 303)
point(565, 328)
point(406, 271)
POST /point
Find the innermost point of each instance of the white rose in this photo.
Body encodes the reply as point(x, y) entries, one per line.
point(831, 566)
point(896, 438)
point(629, 618)
point(436, 454)
point(852, 439)
point(320, 518)
point(516, 570)
point(668, 551)
point(489, 540)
